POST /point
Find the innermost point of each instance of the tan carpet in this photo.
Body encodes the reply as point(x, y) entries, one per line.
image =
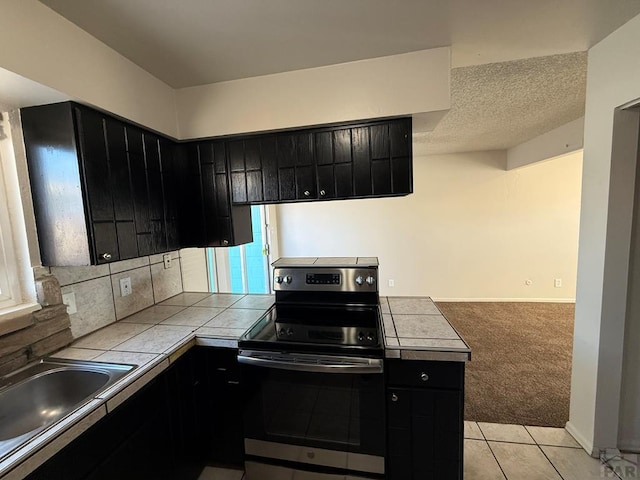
point(521, 360)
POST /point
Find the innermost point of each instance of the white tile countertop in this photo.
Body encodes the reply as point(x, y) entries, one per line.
point(415, 329)
point(153, 338)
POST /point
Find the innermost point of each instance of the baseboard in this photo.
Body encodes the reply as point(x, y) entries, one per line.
point(584, 443)
point(506, 300)
point(632, 446)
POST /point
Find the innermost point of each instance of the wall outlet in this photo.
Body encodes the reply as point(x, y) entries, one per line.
point(558, 282)
point(125, 286)
point(69, 299)
point(166, 258)
point(392, 283)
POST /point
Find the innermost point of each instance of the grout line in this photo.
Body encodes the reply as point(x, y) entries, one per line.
point(549, 460)
point(495, 458)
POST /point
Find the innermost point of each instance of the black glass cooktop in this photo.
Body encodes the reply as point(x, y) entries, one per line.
point(317, 328)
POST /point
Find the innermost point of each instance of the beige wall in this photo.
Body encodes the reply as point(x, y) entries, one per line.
point(381, 87)
point(605, 229)
point(470, 230)
point(39, 44)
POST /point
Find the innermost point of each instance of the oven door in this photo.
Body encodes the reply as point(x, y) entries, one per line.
point(319, 410)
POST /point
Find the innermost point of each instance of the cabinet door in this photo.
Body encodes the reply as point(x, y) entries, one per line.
point(237, 169)
point(154, 186)
point(121, 189)
point(222, 406)
point(95, 165)
point(269, 160)
point(334, 164)
point(306, 187)
point(138, 171)
point(170, 193)
point(391, 157)
point(210, 219)
point(296, 169)
point(399, 438)
point(188, 438)
point(190, 200)
point(245, 163)
point(362, 185)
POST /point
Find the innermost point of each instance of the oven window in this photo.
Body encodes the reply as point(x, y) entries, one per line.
point(316, 409)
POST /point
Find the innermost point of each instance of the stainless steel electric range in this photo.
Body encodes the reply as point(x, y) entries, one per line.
point(312, 374)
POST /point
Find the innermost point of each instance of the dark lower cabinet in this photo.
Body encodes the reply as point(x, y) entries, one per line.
point(223, 406)
point(187, 417)
point(132, 442)
point(425, 428)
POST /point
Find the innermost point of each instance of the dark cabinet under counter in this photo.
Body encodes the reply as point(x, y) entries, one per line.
point(425, 427)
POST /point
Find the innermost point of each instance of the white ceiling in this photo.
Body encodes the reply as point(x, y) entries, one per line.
point(510, 80)
point(195, 42)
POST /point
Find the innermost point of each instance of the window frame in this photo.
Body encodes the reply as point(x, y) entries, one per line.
point(17, 233)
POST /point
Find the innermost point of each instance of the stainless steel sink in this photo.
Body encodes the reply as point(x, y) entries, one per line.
point(39, 395)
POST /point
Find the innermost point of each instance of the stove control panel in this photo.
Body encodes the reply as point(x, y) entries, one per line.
point(330, 279)
point(323, 278)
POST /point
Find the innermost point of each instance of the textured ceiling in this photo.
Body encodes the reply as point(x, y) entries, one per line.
point(499, 105)
point(195, 42)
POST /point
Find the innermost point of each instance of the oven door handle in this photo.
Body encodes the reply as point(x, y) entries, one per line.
point(371, 366)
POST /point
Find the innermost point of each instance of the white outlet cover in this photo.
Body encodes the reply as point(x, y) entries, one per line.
point(125, 286)
point(166, 258)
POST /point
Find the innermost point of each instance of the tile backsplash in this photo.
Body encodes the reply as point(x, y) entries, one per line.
point(97, 289)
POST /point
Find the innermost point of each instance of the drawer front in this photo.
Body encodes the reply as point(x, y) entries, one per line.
point(411, 373)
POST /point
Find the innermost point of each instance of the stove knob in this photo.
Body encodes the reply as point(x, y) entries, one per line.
point(278, 279)
point(359, 280)
point(282, 332)
point(370, 337)
point(289, 332)
point(288, 279)
point(360, 337)
point(371, 280)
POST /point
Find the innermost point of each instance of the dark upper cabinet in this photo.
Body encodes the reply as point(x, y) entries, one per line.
point(98, 186)
point(359, 160)
point(107, 190)
point(210, 219)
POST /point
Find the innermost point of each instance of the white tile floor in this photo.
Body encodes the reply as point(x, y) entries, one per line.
point(514, 452)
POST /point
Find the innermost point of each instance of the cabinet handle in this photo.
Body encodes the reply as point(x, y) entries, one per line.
point(424, 377)
point(394, 397)
point(307, 193)
point(106, 256)
point(322, 193)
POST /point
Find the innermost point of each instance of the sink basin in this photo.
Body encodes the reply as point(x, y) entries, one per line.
point(39, 395)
